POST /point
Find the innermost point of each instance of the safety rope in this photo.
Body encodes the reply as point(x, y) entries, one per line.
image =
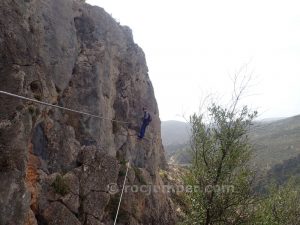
point(127, 165)
point(59, 107)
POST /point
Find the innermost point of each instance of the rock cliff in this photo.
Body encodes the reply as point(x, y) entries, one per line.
point(55, 166)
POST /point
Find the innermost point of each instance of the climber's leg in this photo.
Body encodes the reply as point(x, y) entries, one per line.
point(143, 130)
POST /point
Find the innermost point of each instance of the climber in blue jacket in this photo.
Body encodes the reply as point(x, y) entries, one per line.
point(146, 121)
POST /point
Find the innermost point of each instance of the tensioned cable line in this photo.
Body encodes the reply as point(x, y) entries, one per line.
point(127, 165)
point(58, 107)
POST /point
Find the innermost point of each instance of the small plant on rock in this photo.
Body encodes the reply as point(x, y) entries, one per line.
point(60, 186)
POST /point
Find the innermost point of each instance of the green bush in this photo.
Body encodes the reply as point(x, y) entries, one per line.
point(123, 162)
point(122, 172)
point(60, 186)
point(280, 206)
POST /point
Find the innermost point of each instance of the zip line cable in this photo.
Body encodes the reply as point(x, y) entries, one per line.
point(127, 165)
point(59, 107)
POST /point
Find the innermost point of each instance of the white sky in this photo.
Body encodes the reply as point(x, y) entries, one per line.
point(194, 47)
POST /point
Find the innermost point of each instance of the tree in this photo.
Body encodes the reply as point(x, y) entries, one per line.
point(221, 152)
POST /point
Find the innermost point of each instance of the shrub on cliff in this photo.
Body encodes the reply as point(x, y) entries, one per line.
point(60, 186)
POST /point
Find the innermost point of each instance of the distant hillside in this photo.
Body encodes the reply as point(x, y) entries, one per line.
point(280, 174)
point(174, 132)
point(274, 141)
point(175, 136)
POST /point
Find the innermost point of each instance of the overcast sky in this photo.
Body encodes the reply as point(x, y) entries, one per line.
point(194, 48)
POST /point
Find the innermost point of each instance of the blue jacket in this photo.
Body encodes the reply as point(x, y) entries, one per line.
point(147, 117)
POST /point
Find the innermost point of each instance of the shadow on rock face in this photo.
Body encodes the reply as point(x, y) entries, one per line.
point(40, 142)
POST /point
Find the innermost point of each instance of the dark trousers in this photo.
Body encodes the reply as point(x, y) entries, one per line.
point(143, 129)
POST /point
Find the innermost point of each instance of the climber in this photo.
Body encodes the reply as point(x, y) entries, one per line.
point(146, 121)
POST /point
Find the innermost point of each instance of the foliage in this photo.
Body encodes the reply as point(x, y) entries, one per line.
point(280, 207)
point(122, 171)
point(275, 142)
point(60, 186)
point(221, 151)
point(163, 174)
point(280, 174)
point(123, 162)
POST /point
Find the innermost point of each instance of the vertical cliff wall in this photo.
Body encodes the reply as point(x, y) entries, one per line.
point(55, 165)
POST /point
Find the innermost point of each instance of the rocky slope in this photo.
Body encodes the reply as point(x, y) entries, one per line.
point(55, 166)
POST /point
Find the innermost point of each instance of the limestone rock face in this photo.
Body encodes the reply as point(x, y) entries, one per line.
point(55, 165)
